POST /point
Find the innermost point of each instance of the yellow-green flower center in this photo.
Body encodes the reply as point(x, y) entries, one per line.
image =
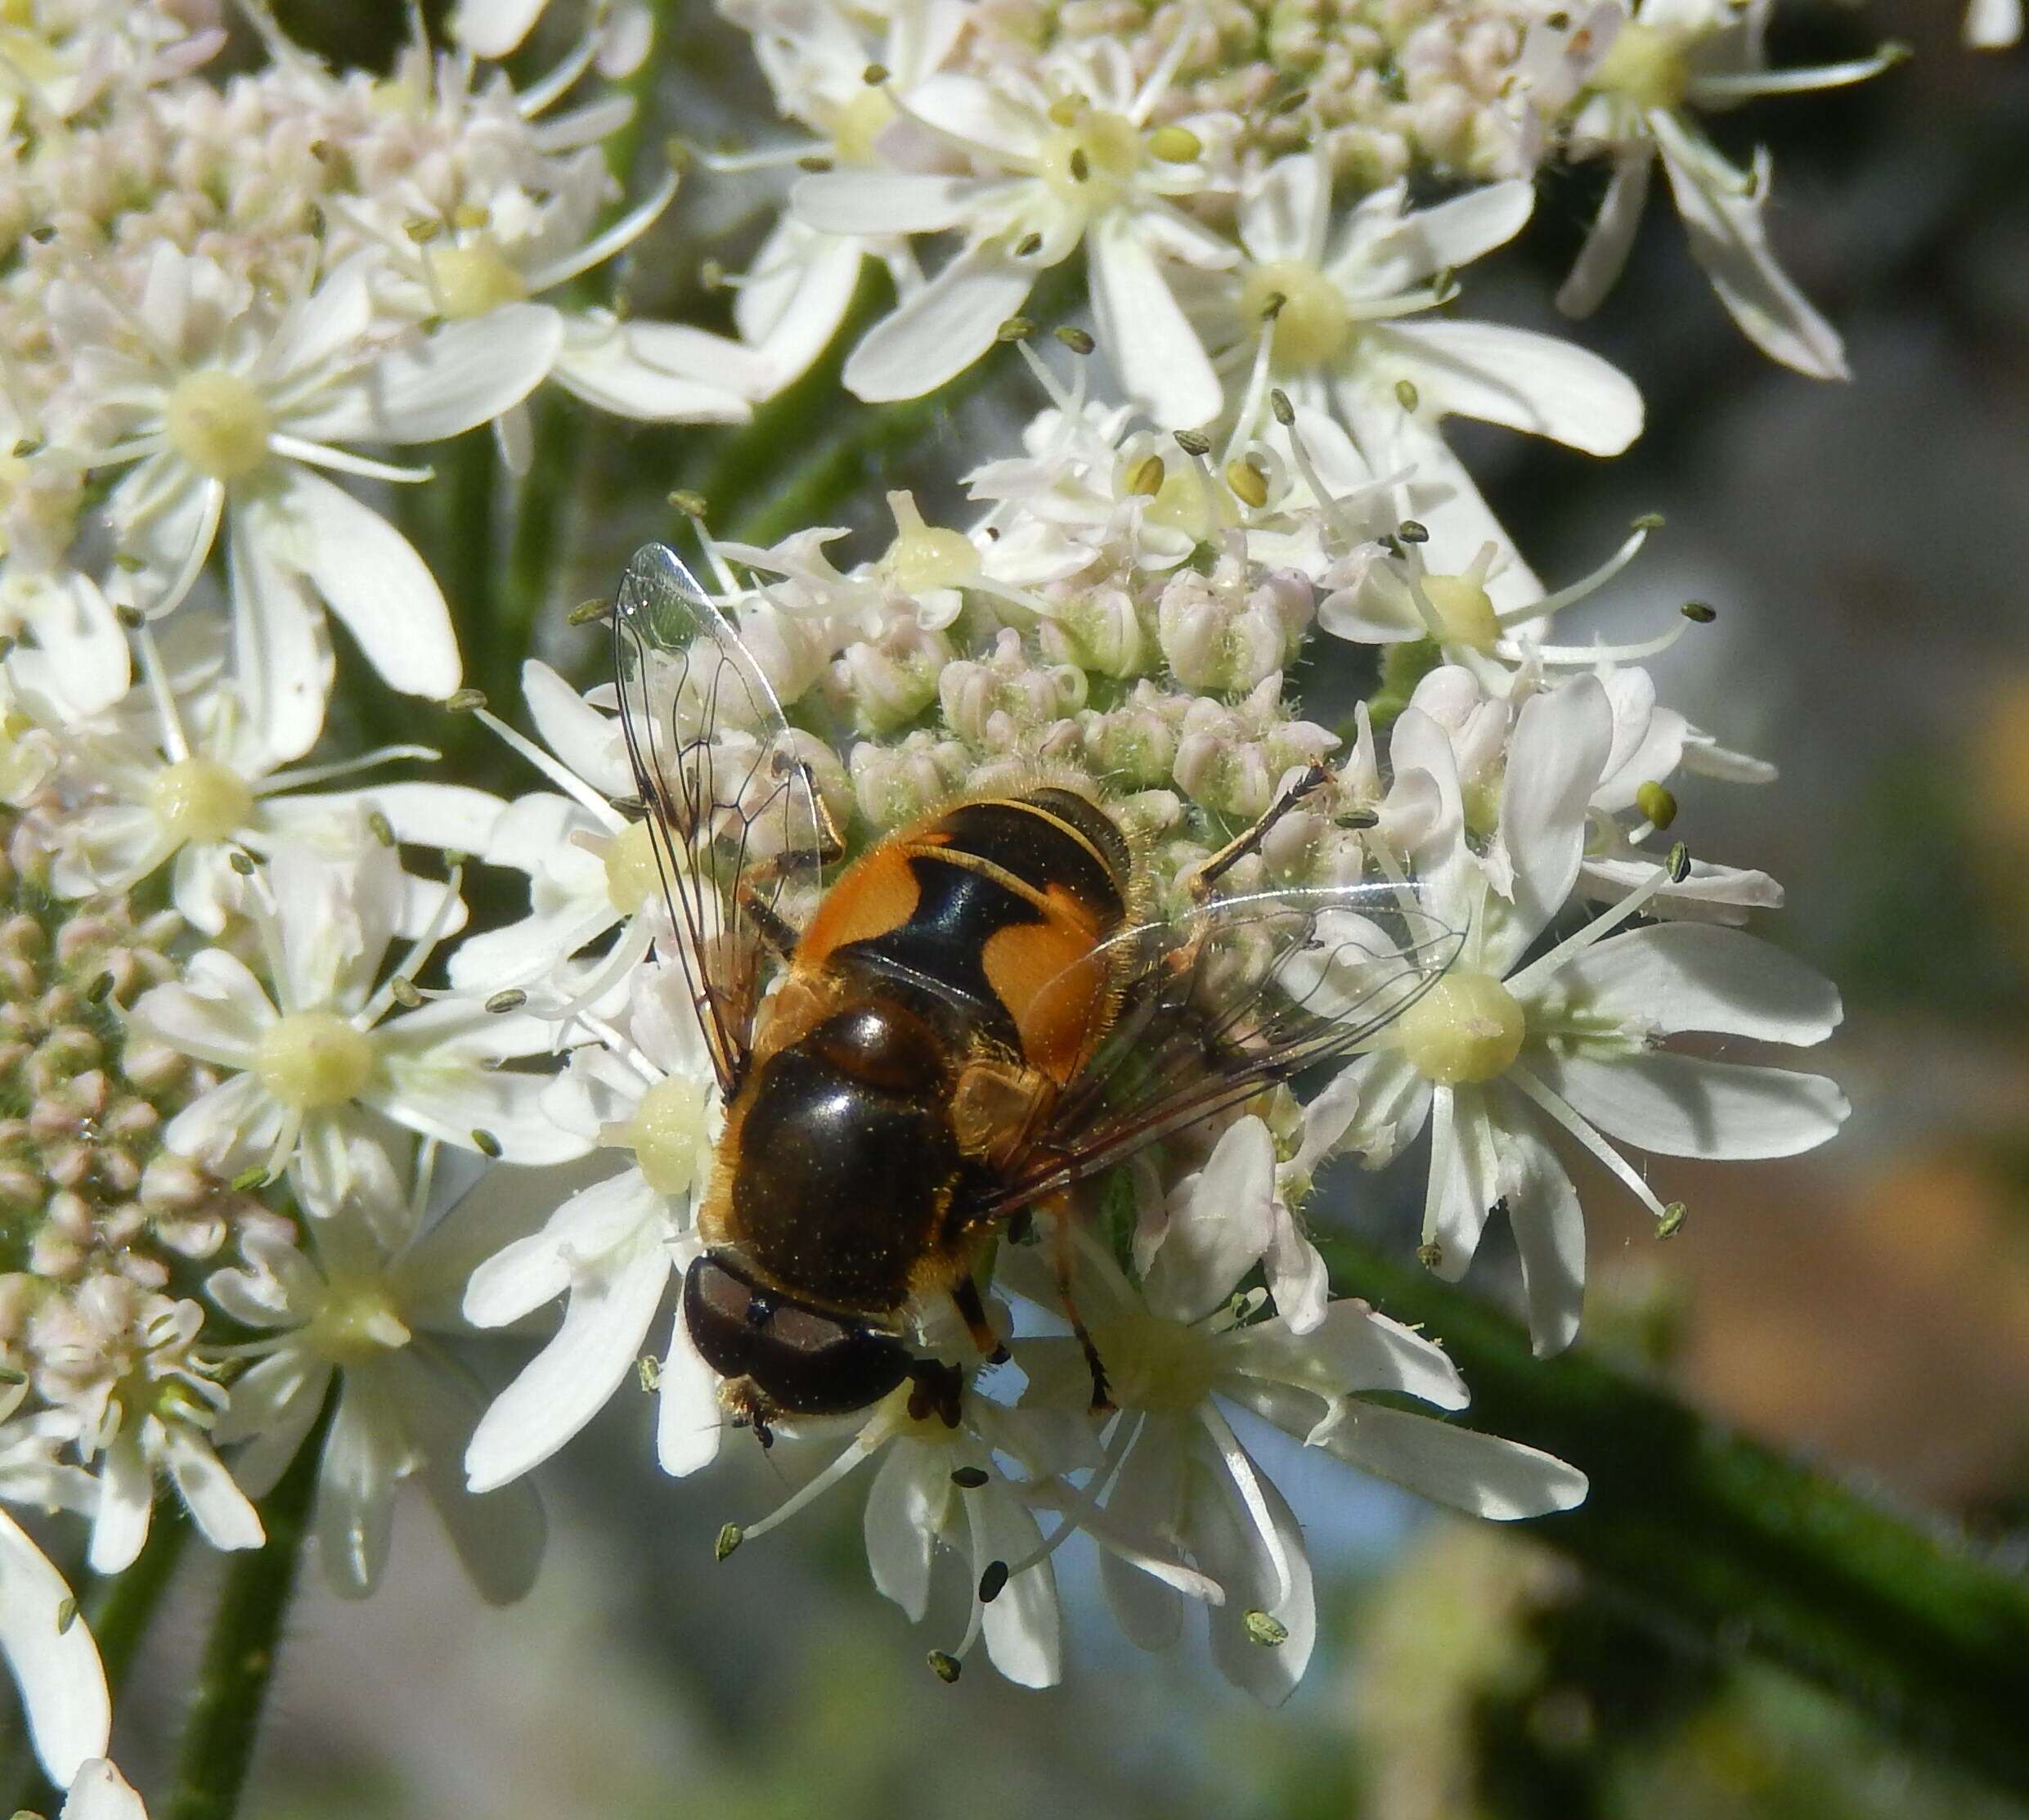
point(856, 125)
point(200, 799)
point(671, 1135)
point(924, 557)
point(1645, 64)
point(1088, 161)
point(311, 1060)
point(1464, 609)
point(1467, 1027)
point(355, 1323)
point(475, 279)
point(1313, 321)
point(631, 871)
point(218, 423)
point(1154, 1364)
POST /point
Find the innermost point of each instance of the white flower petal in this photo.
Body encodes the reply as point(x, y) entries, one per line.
point(569, 1380)
point(499, 1538)
point(1147, 1502)
point(459, 377)
point(98, 1791)
point(372, 578)
point(127, 1496)
point(1220, 1221)
point(218, 1011)
point(1231, 1549)
point(1549, 1229)
point(1528, 381)
point(617, 1212)
point(275, 1403)
point(1355, 1349)
point(366, 1455)
point(452, 1098)
point(1154, 352)
point(885, 202)
point(1286, 210)
point(1452, 234)
point(1992, 25)
point(1611, 235)
point(589, 743)
point(57, 1667)
point(1692, 976)
point(1729, 242)
point(614, 372)
point(795, 295)
point(1685, 1106)
point(493, 27)
point(1480, 1474)
point(223, 1513)
point(1464, 1177)
point(282, 663)
point(940, 331)
point(905, 1507)
point(1023, 1632)
point(689, 1420)
point(1559, 748)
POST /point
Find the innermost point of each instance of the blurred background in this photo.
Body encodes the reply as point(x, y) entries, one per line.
point(1867, 1306)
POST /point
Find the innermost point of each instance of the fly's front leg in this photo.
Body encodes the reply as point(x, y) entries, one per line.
point(1249, 840)
point(1058, 1206)
point(1200, 882)
point(973, 1311)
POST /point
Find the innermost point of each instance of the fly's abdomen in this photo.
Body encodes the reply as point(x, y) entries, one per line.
point(847, 1164)
point(997, 906)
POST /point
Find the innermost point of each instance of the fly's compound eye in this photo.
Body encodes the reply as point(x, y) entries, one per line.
point(803, 1360)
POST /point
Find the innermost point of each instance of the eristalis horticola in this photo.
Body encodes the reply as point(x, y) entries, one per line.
point(981, 1012)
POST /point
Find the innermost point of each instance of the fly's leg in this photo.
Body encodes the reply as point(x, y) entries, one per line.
point(1249, 840)
point(935, 1389)
point(1063, 1255)
point(973, 1311)
point(775, 931)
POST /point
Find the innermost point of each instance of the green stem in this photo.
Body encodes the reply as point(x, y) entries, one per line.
point(119, 1607)
point(1723, 1538)
point(225, 1710)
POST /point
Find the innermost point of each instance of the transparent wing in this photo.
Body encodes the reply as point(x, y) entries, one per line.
point(728, 803)
point(1248, 991)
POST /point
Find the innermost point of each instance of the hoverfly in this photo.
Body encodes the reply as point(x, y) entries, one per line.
point(981, 1013)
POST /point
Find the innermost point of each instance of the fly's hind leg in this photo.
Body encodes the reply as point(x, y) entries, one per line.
point(1062, 1254)
point(1248, 839)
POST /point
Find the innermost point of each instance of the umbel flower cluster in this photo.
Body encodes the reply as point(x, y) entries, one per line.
point(265, 1077)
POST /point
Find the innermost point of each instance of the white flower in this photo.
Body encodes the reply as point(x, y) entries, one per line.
point(370, 1309)
point(309, 1063)
point(1634, 69)
point(48, 1650)
point(842, 76)
point(613, 1247)
point(79, 652)
point(224, 409)
point(121, 1362)
point(1339, 339)
point(1180, 1477)
point(590, 868)
point(1498, 1044)
point(207, 785)
point(526, 246)
point(1064, 157)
